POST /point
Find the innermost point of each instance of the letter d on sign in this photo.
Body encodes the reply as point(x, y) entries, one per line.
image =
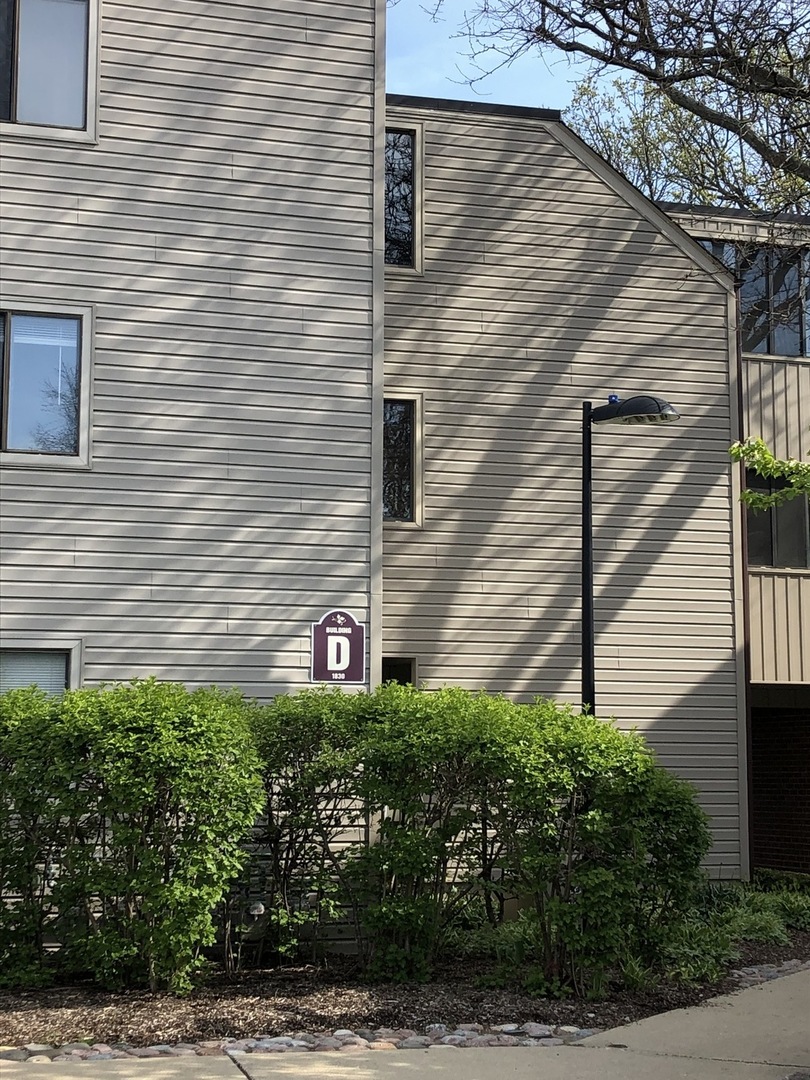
point(338, 650)
point(337, 653)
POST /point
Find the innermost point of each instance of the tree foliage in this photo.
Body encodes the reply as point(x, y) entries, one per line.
point(742, 66)
point(672, 155)
point(121, 814)
point(793, 474)
point(474, 799)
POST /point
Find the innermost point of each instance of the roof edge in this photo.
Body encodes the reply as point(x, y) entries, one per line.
point(477, 108)
point(645, 207)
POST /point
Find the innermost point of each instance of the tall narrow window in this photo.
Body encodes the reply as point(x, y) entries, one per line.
point(779, 537)
point(400, 241)
point(399, 440)
point(44, 62)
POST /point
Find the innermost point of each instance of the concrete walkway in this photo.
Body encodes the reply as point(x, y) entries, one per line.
point(758, 1034)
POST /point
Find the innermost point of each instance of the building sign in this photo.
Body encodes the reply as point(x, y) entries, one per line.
point(338, 649)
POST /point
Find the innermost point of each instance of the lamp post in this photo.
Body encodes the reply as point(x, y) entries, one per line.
point(642, 409)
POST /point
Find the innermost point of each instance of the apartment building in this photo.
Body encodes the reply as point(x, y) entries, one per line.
point(771, 260)
point(189, 310)
point(524, 277)
point(197, 243)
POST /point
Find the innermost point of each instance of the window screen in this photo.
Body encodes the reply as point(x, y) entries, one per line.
point(398, 669)
point(39, 667)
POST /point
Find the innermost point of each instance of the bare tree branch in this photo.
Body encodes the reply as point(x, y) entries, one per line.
point(740, 65)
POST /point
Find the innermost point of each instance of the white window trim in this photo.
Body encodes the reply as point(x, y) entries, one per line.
point(83, 459)
point(418, 466)
point(74, 647)
point(45, 133)
point(417, 127)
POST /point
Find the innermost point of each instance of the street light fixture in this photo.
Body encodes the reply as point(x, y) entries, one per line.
point(642, 409)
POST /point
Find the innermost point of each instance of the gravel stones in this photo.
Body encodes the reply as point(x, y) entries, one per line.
point(362, 1039)
point(343, 1040)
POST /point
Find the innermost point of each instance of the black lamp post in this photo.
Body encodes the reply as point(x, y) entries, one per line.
point(642, 409)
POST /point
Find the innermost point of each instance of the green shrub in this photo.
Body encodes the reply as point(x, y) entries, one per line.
point(781, 881)
point(141, 794)
point(605, 844)
point(32, 835)
point(404, 813)
point(700, 945)
point(469, 798)
point(307, 744)
point(426, 774)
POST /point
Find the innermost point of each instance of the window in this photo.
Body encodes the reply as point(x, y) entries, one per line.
point(399, 669)
point(401, 473)
point(774, 301)
point(45, 387)
point(47, 73)
point(400, 192)
point(779, 537)
point(774, 296)
point(50, 670)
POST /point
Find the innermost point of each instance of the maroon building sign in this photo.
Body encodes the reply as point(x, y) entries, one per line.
point(338, 649)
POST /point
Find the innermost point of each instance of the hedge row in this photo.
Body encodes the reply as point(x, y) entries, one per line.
point(141, 823)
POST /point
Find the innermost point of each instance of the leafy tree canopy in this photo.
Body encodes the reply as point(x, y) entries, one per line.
point(742, 66)
point(673, 155)
point(795, 475)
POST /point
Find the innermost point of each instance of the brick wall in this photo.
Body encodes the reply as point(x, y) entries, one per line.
point(780, 766)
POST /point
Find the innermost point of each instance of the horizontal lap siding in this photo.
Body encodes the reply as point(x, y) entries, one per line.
point(542, 288)
point(222, 228)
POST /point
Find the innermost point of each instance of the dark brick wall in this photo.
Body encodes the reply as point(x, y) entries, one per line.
point(780, 788)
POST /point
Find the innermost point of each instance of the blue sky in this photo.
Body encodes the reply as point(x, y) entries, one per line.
point(425, 58)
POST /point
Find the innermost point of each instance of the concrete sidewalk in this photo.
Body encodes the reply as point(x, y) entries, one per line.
point(757, 1034)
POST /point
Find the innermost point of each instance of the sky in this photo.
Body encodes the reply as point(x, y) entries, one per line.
point(427, 58)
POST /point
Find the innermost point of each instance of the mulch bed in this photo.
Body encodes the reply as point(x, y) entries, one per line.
point(283, 1001)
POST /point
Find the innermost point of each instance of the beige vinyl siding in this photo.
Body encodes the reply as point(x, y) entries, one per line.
point(543, 286)
point(780, 626)
point(222, 230)
point(777, 401)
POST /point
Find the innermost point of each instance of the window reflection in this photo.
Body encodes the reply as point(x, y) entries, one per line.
point(399, 198)
point(42, 410)
point(52, 62)
point(398, 461)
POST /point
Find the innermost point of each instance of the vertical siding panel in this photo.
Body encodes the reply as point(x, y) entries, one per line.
point(780, 626)
point(777, 402)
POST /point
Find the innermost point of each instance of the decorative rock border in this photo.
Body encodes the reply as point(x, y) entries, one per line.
point(343, 1040)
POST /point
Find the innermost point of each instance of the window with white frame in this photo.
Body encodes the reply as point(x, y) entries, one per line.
point(49, 669)
point(47, 73)
point(401, 460)
point(45, 386)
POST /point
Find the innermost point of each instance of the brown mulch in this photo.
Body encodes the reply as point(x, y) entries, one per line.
point(286, 1000)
